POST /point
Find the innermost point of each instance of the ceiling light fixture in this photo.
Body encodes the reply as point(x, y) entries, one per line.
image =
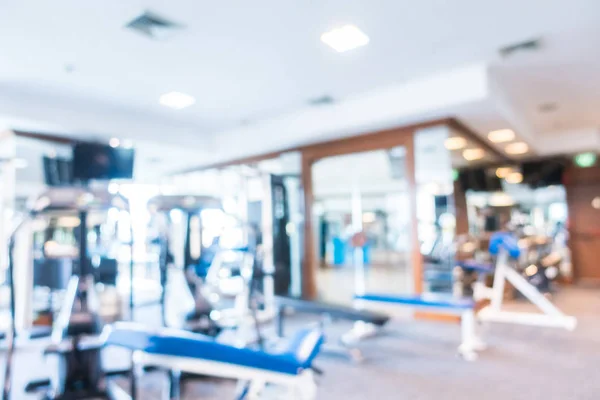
point(502, 172)
point(517, 148)
point(501, 199)
point(473, 154)
point(455, 143)
point(346, 38)
point(514, 177)
point(176, 100)
point(501, 136)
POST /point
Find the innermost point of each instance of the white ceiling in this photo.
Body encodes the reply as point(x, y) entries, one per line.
point(253, 66)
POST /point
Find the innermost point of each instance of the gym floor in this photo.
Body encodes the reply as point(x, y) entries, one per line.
point(417, 360)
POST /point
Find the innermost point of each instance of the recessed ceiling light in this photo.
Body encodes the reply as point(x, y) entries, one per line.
point(501, 200)
point(473, 154)
point(176, 100)
point(114, 142)
point(501, 136)
point(514, 177)
point(455, 143)
point(502, 172)
point(346, 38)
point(517, 148)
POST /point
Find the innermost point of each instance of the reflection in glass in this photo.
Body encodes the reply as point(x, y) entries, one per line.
point(361, 220)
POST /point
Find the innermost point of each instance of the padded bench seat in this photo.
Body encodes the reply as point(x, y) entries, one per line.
point(292, 360)
point(332, 310)
point(425, 300)
point(472, 265)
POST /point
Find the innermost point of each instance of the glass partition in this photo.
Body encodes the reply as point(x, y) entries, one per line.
point(361, 220)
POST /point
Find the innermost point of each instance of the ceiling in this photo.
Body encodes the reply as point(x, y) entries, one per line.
point(71, 67)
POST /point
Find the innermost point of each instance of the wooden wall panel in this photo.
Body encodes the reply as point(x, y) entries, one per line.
point(460, 210)
point(582, 186)
point(309, 261)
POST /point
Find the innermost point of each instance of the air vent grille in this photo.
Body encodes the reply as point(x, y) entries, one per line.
point(525, 46)
point(321, 101)
point(154, 26)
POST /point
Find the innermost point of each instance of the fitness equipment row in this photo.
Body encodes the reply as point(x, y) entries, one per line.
point(79, 336)
point(503, 246)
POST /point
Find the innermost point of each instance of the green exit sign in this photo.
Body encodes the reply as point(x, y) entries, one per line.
point(585, 160)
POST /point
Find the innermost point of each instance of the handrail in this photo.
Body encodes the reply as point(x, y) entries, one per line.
point(60, 327)
point(11, 334)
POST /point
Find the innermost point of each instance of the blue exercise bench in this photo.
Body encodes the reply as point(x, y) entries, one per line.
point(177, 351)
point(504, 247)
point(463, 307)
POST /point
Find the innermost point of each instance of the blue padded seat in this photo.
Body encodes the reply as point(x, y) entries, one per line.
point(425, 300)
point(472, 265)
point(297, 356)
point(506, 241)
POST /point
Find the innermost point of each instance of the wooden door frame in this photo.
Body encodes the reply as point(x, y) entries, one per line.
point(381, 140)
point(574, 178)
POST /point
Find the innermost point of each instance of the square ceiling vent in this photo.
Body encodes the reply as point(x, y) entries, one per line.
point(154, 26)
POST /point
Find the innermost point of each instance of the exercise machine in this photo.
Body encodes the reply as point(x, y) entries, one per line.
point(175, 352)
point(78, 341)
point(233, 292)
point(505, 248)
point(192, 263)
point(74, 355)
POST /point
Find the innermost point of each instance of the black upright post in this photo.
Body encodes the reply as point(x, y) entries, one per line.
point(131, 270)
point(84, 265)
point(188, 262)
point(188, 259)
point(163, 264)
point(11, 276)
point(11, 335)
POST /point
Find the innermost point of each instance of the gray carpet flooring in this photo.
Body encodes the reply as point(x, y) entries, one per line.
point(417, 360)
